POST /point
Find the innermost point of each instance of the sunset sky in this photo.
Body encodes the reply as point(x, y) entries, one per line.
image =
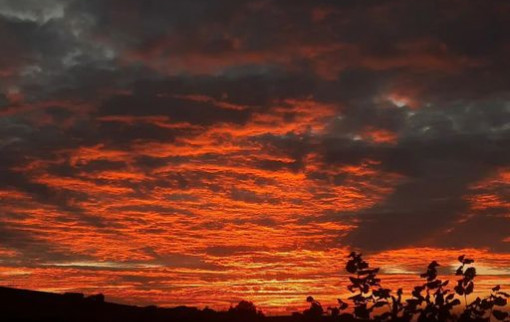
point(200, 152)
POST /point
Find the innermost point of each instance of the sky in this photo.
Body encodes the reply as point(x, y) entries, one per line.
point(201, 152)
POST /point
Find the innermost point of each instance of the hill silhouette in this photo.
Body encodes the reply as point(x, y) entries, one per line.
point(19, 305)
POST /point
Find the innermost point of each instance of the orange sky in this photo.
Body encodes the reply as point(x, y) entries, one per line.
point(221, 228)
point(196, 153)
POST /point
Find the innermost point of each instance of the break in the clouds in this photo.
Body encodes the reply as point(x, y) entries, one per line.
point(196, 146)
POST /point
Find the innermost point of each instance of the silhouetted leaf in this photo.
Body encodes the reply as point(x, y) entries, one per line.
point(433, 265)
point(357, 298)
point(368, 271)
point(500, 315)
point(499, 301)
point(382, 293)
point(467, 261)
point(504, 294)
point(434, 284)
point(416, 293)
point(486, 304)
point(351, 267)
point(355, 281)
point(380, 303)
point(461, 258)
point(496, 288)
point(470, 273)
point(342, 304)
point(455, 302)
point(469, 289)
point(431, 274)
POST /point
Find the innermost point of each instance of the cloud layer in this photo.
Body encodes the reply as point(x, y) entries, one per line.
point(198, 146)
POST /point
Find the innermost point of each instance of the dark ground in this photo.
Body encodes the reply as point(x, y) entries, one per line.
point(23, 306)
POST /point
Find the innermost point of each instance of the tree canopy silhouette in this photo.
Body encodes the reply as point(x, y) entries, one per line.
point(430, 301)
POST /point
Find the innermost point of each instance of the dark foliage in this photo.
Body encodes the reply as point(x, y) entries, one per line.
point(315, 309)
point(30, 306)
point(245, 311)
point(430, 301)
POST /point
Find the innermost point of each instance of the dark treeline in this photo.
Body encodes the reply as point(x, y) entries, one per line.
point(24, 306)
point(433, 300)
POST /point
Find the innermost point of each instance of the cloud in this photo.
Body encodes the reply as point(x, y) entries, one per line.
point(34, 11)
point(249, 143)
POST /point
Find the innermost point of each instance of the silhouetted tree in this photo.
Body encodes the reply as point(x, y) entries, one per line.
point(465, 285)
point(245, 311)
point(431, 301)
point(315, 311)
point(479, 309)
point(483, 309)
point(369, 294)
point(436, 303)
point(335, 311)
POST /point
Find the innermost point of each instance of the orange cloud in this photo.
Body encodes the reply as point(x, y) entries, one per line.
point(379, 135)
